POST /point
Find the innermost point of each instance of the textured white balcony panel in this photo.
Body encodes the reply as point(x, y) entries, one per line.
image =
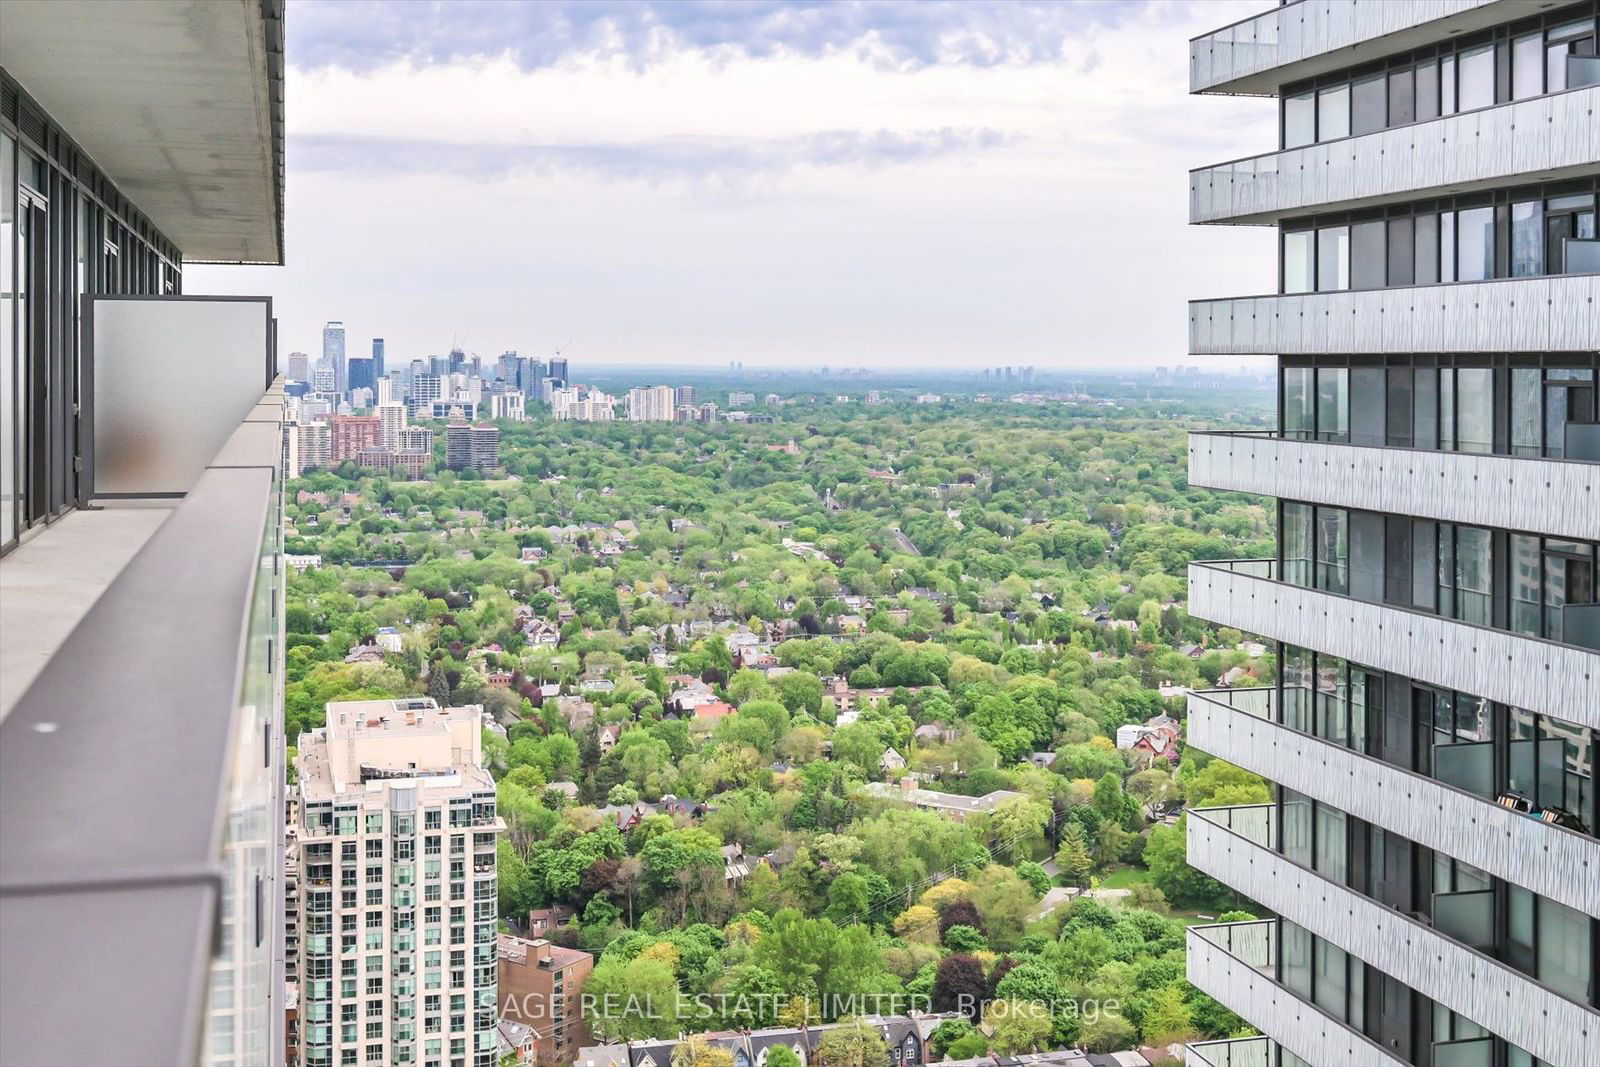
point(1487, 992)
point(1555, 314)
point(1540, 676)
point(1254, 56)
point(1538, 495)
point(1298, 1026)
point(1544, 138)
point(1561, 865)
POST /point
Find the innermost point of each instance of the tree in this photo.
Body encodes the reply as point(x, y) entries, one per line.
point(1167, 856)
point(919, 924)
point(696, 1051)
point(633, 1001)
point(1166, 1017)
point(1107, 1033)
point(782, 1056)
point(1019, 826)
point(944, 1035)
point(852, 1043)
point(960, 913)
point(1017, 1026)
point(1072, 858)
point(958, 985)
point(965, 939)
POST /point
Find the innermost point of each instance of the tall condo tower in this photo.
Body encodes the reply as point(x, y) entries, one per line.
point(1430, 855)
point(333, 353)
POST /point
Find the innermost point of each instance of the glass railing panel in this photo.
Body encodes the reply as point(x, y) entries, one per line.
point(1238, 1052)
point(1468, 766)
point(1251, 943)
point(1466, 917)
point(1582, 71)
point(1254, 700)
point(1254, 822)
point(1474, 1052)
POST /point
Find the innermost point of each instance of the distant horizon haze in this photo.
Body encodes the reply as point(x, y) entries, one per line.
point(782, 184)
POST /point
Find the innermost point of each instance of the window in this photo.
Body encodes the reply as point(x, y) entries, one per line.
point(1447, 246)
point(1331, 859)
point(1401, 255)
point(1527, 66)
point(1299, 261)
point(1475, 78)
point(1332, 548)
point(1333, 258)
point(1368, 104)
point(1296, 956)
point(1295, 670)
point(1367, 255)
point(1527, 239)
point(1402, 97)
point(1330, 980)
point(1299, 120)
point(1475, 251)
point(1333, 404)
point(1425, 251)
point(1474, 409)
point(1297, 543)
point(1427, 83)
point(1333, 113)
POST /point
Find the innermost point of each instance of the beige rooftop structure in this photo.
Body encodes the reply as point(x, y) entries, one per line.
point(368, 742)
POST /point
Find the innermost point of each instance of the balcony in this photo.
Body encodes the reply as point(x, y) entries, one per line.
point(1236, 963)
point(1232, 845)
point(149, 725)
point(1253, 56)
point(1525, 672)
point(1558, 496)
point(1237, 725)
point(1544, 138)
point(1237, 1052)
point(1558, 313)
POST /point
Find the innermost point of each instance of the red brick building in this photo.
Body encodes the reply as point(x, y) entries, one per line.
point(351, 434)
point(541, 986)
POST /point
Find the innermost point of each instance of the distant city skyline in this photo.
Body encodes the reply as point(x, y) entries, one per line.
point(881, 187)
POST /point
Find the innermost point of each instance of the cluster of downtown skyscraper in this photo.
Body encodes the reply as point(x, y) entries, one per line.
point(1431, 858)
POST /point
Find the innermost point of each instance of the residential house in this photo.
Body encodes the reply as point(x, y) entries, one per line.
point(543, 921)
point(954, 805)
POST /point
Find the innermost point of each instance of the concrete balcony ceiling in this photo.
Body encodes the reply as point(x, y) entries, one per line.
point(1525, 672)
point(1558, 313)
point(1550, 496)
point(1546, 138)
point(180, 102)
point(1253, 56)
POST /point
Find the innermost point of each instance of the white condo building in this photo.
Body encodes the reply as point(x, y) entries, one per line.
point(392, 419)
point(1431, 856)
point(398, 899)
point(652, 403)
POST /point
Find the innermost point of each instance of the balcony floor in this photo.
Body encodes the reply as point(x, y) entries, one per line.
point(49, 583)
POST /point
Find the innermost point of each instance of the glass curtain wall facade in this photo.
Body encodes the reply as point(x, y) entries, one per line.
point(1533, 579)
point(65, 231)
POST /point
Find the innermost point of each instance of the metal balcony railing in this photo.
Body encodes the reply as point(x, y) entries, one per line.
point(154, 735)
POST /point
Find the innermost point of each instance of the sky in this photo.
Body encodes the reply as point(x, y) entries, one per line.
point(788, 184)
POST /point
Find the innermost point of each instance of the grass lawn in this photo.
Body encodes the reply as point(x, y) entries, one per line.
point(1125, 878)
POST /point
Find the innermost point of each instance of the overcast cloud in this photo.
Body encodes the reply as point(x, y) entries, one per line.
point(796, 184)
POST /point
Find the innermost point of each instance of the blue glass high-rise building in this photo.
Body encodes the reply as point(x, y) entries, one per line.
point(377, 358)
